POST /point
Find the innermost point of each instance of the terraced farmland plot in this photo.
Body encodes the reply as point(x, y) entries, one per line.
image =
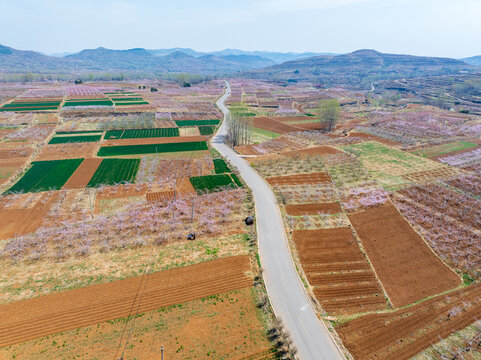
point(343, 281)
point(46, 175)
point(182, 123)
point(50, 314)
point(152, 148)
point(212, 183)
point(404, 333)
point(75, 139)
point(142, 133)
point(115, 171)
point(407, 268)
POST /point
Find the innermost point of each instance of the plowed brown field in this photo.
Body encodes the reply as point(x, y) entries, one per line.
point(67, 151)
point(270, 124)
point(160, 196)
point(407, 268)
point(81, 177)
point(160, 140)
point(311, 126)
point(313, 209)
point(24, 320)
point(25, 220)
point(343, 281)
point(300, 179)
point(404, 333)
point(431, 175)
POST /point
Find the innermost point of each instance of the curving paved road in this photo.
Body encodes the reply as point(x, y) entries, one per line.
point(286, 291)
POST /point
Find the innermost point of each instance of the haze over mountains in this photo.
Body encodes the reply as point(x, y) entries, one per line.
point(357, 68)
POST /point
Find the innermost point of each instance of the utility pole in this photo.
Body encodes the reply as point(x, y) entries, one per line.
point(162, 352)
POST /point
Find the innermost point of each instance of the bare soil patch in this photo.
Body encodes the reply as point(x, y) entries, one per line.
point(406, 266)
point(29, 319)
point(270, 124)
point(404, 333)
point(25, 214)
point(343, 281)
point(160, 196)
point(67, 151)
point(313, 209)
point(81, 177)
point(300, 179)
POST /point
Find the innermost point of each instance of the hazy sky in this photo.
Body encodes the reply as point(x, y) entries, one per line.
point(421, 27)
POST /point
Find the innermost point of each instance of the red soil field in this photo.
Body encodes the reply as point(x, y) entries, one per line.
point(50, 314)
point(374, 138)
point(270, 124)
point(160, 196)
point(318, 150)
point(311, 126)
point(406, 266)
point(300, 179)
point(246, 150)
point(313, 209)
point(343, 281)
point(23, 220)
point(67, 151)
point(81, 177)
point(160, 140)
point(266, 354)
point(185, 188)
point(404, 333)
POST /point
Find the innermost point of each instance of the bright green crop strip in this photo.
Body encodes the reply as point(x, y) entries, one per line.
point(151, 148)
point(30, 109)
point(206, 130)
point(220, 166)
point(115, 171)
point(74, 139)
point(89, 103)
point(211, 183)
point(46, 175)
point(196, 122)
point(132, 103)
point(236, 180)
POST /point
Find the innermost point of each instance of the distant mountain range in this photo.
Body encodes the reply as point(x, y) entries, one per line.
point(361, 67)
point(475, 60)
point(358, 68)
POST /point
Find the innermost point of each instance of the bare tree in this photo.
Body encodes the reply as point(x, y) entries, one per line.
point(239, 129)
point(329, 112)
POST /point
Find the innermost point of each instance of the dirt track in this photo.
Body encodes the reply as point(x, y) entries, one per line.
point(406, 266)
point(30, 319)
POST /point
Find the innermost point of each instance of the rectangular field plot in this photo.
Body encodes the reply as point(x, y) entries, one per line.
point(88, 102)
point(181, 123)
point(403, 333)
point(142, 133)
point(343, 281)
point(405, 265)
point(81, 177)
point(300, 179)
point(115, 171)
point(31, 105)
point(206, 130)
point(75, 139)
point(220, 166)
point(152, 148)
point(46, 175)
point(98, 303)
point(212, 183)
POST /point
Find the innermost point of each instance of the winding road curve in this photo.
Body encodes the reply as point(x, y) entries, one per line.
point(286, 291)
